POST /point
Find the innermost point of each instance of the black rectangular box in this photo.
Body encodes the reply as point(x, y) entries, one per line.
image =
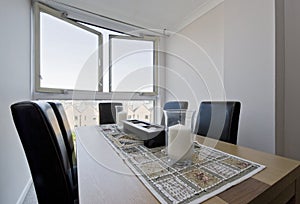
point(153, 135)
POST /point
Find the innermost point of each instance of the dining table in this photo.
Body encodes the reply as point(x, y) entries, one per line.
point(105, 177)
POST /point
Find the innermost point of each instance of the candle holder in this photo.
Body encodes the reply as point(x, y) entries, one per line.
point(179, 126)
point(121, 115)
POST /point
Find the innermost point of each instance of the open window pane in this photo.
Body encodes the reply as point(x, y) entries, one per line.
point(131, 64)
point(69, 55)
point(105, 47)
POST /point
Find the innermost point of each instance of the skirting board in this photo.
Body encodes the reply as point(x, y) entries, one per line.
point(25, 191)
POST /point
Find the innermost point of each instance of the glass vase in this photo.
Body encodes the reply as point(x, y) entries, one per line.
point(179, 128)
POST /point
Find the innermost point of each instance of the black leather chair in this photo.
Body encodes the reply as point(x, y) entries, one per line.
point(174, 105)
point(67, 135)
point(46, 152)
point(219, 120)
point(107, 113)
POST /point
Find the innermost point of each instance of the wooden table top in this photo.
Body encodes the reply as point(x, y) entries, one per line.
point(103, 176)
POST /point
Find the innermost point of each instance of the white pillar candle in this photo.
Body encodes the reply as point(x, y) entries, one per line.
point(120, 117)
point(180, 142)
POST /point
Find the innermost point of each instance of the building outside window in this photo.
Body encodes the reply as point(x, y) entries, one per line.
point(77, 110)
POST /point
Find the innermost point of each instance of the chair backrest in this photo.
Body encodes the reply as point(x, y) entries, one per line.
point(45, 151)
point(174, 105)
point(66, 133)
point(219, 120)
point(107, 113)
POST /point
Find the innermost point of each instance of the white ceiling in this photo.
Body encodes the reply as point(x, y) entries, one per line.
point(171, 15)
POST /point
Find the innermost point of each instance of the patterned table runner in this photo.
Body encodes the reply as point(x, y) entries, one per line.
point(212, 171)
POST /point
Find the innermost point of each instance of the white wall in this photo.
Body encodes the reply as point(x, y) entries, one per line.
point(194, 60)
point(291, 81)
point(14, 86)
point(239, 36)
point(249, 73)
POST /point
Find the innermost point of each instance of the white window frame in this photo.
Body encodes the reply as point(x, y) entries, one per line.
point(38, 9)
point(65, 13)
point(155, 61)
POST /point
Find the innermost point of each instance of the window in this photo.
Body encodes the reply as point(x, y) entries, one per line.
point(77, 60)
point(76, 110)
point(131, 60)
point(69, 54)
point(73, 56)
